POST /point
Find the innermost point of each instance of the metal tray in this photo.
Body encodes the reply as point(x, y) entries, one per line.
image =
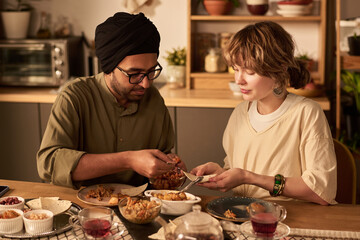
point(61, 224)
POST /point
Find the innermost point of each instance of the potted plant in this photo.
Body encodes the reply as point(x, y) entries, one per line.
point(351, 85)
point(176, 70)
point(16, 20)
point(309, 62)
point(219, 7)
point(354, 45)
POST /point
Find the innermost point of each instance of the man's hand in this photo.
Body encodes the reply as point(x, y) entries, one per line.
point(150, 162)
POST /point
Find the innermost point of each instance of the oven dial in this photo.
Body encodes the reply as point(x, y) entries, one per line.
point(57, 50)
point(59, 62)
point(58, 74)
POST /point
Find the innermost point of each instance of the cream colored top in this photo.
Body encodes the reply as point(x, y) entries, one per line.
point(259, 122)
point(298, 144)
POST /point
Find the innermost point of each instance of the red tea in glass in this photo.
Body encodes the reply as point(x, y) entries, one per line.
point(264, 217)
point(97, 227)
point(264, 223)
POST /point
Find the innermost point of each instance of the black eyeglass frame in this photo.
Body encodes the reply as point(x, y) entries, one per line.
point(143, 74)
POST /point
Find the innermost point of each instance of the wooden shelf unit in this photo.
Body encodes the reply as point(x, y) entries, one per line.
point(254, 18)
point(200, 80)
point(350, 62)
point(343, 61)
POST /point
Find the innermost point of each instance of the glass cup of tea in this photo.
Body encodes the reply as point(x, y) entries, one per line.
point(95, 222)
point(265, 216)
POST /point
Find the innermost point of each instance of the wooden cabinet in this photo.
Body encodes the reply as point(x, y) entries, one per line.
point(45, 109)
point(199, 21)
point(199, 138)
point(19, 141)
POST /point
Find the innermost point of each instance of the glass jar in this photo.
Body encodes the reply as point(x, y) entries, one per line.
point(198, 225)
point(224, 38)
point(214, 61)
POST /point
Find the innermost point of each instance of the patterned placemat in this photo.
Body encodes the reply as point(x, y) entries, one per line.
point(77, 233)
point(305, 234)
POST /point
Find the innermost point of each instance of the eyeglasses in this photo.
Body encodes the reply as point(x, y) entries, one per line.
point(136, 78)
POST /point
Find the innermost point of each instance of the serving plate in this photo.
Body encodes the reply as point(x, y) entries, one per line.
point(61, 224)
point(237, 205)
point(118, 188)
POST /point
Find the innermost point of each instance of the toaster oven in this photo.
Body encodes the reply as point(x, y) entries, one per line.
point(40, 62)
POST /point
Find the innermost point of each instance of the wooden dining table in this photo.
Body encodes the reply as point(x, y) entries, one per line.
point(305, 215)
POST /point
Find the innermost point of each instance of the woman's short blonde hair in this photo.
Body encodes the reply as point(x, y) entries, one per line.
point(267, 49)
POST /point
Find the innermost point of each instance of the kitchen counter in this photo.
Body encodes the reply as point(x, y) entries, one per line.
point(173, 97)
point(28, 94)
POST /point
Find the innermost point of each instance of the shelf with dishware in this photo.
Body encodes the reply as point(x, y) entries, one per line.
point(255, 18)
point(203, 28)
point(349, 62)
point(204, 80)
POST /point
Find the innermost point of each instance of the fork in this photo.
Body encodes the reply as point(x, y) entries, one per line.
point(198, 179)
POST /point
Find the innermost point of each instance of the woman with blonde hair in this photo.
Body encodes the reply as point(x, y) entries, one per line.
point(277, 144)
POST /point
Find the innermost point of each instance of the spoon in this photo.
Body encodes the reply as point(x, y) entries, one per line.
point(198, 179)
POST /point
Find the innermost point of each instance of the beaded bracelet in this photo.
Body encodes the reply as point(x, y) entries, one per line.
point(278, 185)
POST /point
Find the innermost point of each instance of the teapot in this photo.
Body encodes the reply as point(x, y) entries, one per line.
point(195, 225)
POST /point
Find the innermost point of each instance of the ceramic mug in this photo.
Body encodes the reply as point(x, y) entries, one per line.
point(265, 216)
point(257, 7)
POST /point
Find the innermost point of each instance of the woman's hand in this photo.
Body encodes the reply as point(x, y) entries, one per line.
point(225, 181)
point(207, 168)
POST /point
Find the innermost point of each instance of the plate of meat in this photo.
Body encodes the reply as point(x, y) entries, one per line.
point(108, 194)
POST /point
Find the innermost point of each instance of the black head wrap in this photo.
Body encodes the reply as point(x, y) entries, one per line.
point(122, 35)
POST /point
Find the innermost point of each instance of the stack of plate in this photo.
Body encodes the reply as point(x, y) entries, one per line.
point(294, 8)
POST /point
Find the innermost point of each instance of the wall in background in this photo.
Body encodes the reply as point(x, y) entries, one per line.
point(169, 16)
point(350, 9)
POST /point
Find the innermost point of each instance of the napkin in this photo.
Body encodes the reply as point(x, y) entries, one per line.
point(160, 235)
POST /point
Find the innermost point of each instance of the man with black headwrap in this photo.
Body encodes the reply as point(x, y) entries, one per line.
point(112, 127)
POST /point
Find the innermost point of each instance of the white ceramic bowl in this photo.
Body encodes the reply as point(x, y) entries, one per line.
point(33, 226)
point(11, 225)
point(175, 208)
point(235, 88)
point(16, 206)
point(288, 7)
point(292, 13)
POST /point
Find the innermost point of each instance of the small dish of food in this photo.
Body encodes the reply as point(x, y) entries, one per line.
point(139, 210)
point(174, 202)
point(170, 180)
point(11, 221)
point(12, 202)
point(38, 221)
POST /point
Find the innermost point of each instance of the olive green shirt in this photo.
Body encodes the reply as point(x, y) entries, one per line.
point(86, 118)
